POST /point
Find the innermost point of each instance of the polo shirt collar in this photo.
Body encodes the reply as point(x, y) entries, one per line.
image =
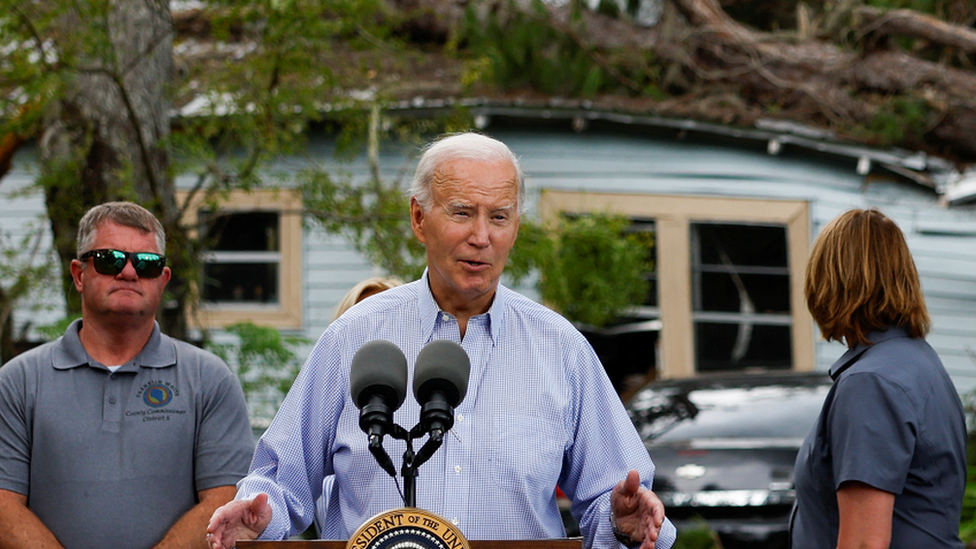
point(852, 355)
point(429, 309)
point(71, 353)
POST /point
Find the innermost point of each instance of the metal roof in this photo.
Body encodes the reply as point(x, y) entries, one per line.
point(936, 173)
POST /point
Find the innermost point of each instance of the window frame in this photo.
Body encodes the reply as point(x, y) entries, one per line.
point(701, 314)
point(287, 313)
point(673, 216)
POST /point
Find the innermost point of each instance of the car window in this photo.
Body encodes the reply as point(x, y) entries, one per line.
point(781, 412)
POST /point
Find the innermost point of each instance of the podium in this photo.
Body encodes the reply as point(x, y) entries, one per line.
point(565, 543)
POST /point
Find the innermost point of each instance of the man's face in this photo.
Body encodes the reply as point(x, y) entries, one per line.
point(126, 293)
point(470, 228)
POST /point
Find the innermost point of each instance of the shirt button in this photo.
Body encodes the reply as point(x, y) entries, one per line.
point(111, 400)
point(460, 417)
point(455, 521)
point(457, 469)
point(445, 317)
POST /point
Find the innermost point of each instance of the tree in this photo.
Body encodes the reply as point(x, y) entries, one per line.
point(93, 82)
point(251, 79)
point(591, 269)
point(90, 79)
point(890, 78)
point(266, 363)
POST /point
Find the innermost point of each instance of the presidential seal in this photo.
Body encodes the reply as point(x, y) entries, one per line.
point(407, 528)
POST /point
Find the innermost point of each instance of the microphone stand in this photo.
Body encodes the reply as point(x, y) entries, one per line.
point(409, 473)
point(436, 417)
point(413, 460)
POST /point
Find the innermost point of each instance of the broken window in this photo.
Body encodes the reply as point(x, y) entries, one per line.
point(740, 296)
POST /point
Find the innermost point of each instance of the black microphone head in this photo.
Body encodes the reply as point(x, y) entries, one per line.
point(378, 368)
point(444, 366)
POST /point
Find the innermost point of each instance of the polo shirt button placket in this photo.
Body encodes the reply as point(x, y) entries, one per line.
point(111, 412)
point(111, 398)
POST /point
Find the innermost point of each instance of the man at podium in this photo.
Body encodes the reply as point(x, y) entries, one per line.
point(539, 409)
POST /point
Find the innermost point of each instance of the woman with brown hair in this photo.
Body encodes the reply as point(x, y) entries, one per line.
point(885, 464)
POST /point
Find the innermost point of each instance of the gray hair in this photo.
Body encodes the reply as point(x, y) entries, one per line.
point(461, 146)
point(127, 214)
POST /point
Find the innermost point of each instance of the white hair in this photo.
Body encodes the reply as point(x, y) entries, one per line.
point(461, 146)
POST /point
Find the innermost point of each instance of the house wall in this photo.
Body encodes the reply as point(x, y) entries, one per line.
point(635, 161)
point(22, 213)
point(942, 240)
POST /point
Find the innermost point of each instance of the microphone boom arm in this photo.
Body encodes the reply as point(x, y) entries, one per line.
point(382, 458)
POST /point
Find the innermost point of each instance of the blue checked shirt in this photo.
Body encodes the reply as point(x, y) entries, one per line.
point(539, 412)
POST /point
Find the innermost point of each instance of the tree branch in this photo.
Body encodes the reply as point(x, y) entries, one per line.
point(917, 25)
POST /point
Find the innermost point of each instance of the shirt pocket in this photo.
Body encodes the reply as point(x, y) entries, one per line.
point(526, 452)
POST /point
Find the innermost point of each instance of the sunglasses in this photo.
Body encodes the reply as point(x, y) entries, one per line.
point(111, 262)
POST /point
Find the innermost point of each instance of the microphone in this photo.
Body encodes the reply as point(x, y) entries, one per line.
point(378, 383)
point(440, 381)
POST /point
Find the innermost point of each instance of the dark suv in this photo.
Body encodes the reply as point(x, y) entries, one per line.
point(724, 446)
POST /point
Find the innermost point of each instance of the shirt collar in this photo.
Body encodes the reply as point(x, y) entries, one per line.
point(853, 354)
point(71, 353)
point(429, 309)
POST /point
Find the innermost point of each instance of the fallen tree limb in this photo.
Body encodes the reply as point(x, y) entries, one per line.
point(916, 25)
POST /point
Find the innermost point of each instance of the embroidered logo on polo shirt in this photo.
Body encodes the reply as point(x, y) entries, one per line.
point(157, 393)
point(157, 396)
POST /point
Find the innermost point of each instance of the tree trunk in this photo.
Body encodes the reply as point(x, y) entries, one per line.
point(104, 140)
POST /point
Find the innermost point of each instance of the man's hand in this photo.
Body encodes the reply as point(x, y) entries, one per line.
point(238, 520)
point(637, 511)
point(187, 532)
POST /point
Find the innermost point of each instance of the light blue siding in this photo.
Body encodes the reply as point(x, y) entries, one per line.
point(943, 240)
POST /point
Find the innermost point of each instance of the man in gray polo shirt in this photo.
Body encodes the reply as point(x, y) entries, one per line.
point(116, 435)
